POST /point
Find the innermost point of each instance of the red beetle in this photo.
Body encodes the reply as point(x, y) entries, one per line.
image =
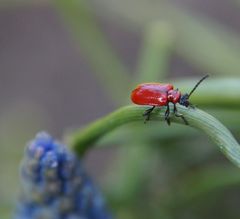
point(156, 94)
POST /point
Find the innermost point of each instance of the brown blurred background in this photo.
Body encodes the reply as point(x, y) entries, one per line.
point(47, 82)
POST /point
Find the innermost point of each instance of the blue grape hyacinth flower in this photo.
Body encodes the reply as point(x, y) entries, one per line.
point(55, 185)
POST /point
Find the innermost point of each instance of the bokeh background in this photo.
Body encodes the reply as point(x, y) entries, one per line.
point(66, 63)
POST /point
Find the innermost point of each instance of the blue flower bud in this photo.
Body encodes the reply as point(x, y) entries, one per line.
point(55, 185)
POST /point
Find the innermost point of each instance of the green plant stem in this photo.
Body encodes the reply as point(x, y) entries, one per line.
point(203, 42)
point(156, 49)
point(106, 64)
point(83, 139)
point(124, 135)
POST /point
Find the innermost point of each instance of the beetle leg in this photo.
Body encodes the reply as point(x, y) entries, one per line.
point(167, 115)
point(179, 115)
point(147, 113)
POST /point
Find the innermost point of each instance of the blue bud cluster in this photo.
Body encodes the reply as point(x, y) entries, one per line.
point(55, 185)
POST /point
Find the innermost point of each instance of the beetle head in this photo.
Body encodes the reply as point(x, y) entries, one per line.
point(184, 100)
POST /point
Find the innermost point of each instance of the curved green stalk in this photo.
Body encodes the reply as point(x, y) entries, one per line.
point(84, 139)
point(123, 135)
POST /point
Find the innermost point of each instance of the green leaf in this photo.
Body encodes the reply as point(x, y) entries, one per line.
point(106, 64)
point(199, 39)
point(157, 45)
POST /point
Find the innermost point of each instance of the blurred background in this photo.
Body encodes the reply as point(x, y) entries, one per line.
point(65, 63)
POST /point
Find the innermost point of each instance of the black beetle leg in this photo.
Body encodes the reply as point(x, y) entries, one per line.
point(167, 115)
point(147, 113)
point(179, 115)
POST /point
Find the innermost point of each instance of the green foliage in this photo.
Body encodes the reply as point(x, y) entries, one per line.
point(167, 172)
point(108, 68)
point(160, 172)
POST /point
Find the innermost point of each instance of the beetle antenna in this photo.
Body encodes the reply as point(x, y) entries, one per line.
point(197, 85)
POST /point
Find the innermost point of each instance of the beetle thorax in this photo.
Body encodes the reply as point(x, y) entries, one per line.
point(174, 96)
